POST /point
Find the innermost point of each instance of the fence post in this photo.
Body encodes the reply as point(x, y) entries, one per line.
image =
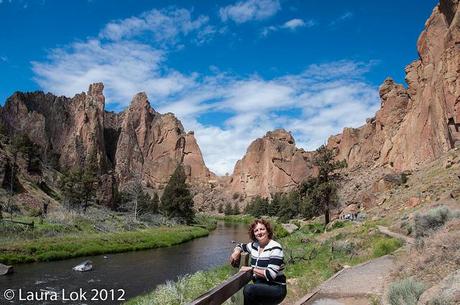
point(238, 298)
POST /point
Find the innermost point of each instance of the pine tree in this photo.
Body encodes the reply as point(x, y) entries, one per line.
point(155, 203)
point(236, 209)
point(289, 206)
point(177, 201)
point(228, 209)
point(78, 189)
point(324, 187)
point(275, 204)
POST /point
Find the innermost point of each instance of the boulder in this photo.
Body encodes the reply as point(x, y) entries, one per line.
point(290, 227)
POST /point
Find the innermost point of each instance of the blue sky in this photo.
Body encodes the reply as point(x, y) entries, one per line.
point(230, 70)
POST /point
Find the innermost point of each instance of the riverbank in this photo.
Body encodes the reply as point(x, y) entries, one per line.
point(76, 245)
point(65, 234)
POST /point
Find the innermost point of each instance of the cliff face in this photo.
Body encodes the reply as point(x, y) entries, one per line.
point(151, 145)
point(420, 123)
point(70, 130)
point(137, 143)
point(271, 164)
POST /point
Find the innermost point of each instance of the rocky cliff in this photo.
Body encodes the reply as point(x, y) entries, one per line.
point(271, 164)
point(420, 123)
point(151, 145)
point(138, 143)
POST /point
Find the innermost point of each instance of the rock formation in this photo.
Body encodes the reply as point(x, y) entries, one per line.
point(151, 146)
point(271, 164)
point(417, 124)
point(138, 143)
point(71, 130)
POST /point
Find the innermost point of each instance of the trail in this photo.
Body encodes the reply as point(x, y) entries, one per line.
point(356, 285)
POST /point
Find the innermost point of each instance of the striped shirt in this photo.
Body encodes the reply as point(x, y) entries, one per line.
point(270, 259)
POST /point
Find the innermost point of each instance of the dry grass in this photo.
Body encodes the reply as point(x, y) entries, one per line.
point(437, 258)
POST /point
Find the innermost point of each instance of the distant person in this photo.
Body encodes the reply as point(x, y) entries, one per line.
point(266, 264)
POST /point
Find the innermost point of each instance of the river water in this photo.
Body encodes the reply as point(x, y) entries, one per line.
point(122, 275)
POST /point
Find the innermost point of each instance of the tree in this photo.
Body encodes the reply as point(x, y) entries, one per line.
point(78, 189)
point(177, 201)
point(236, 209)
point(289, 206)
point(228, 209)
point(257, 207)
point(30, 150)
point(322, 190)
point(155, 203)
point(275, 204)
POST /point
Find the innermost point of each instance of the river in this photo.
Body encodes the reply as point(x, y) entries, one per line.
point(120, 275)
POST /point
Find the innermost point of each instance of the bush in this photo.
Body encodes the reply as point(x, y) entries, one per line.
point(279, 231)
point(425, 224)
point(440, 300)
point(405, 292)
point(385, 246)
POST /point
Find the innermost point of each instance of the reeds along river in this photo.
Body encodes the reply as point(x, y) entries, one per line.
point(128, 274)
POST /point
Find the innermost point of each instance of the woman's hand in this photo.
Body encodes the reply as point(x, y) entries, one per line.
point(235, 257)
point(245, 268)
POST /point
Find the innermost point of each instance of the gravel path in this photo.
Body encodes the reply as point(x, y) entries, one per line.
point(354, 285)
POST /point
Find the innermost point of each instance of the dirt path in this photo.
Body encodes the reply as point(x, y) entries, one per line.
point(356, 285)
point(406, 239)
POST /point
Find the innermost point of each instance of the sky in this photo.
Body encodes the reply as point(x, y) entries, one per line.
point(229, 70)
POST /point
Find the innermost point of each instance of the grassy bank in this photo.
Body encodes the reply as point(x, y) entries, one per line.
point(82, 244)
point(185, 289)
point(311, 256)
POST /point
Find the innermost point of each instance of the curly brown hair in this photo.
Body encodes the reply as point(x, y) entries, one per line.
point(253, 225)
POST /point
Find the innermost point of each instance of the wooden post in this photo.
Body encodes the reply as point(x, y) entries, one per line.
point(238, 298)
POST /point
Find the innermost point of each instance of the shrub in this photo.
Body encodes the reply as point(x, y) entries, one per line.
point(441, 300)
point(279, 231)
point(385, 246)
point(405, 292)
point(424, 224)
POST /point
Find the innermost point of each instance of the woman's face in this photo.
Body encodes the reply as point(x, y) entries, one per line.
point(261, 234)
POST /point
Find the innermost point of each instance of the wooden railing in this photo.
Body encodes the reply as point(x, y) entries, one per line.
point(230, 287)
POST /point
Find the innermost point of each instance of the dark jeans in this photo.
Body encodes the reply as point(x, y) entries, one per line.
point(262, 293)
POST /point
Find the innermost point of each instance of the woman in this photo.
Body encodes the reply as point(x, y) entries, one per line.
point(266, 264)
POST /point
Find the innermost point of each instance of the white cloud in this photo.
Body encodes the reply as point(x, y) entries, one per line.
point(292, 25)
point(249, 10)
point(342, 18)
point(125, 68)
point(117, 58)
point(164, 26)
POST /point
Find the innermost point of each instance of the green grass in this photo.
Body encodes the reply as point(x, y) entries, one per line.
point(185, 289)
point(82, 244)
point(385, 246)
